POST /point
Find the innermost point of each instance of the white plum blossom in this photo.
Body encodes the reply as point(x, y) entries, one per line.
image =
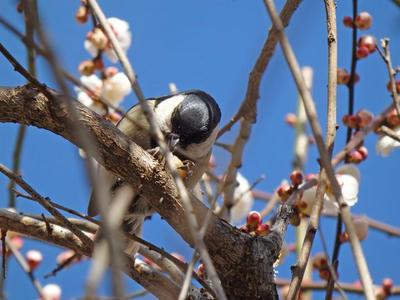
point(386, 144)
point(95, 85)
point(348, 177)
point(96, 40)
point(243, 199)
point(113, 89)
point(116, 88)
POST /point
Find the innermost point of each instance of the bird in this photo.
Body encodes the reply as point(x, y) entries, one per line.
point(189, 122)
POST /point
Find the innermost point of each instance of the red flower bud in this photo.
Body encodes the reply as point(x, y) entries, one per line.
point(348, 22)
point(363, 21)
point(296, 177)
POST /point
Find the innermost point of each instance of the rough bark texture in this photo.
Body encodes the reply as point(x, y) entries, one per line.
point(244, 263)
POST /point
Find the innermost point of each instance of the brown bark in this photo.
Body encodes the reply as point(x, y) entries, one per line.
point(244, 263)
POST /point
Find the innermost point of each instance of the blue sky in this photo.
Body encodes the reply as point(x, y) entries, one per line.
point(211, 45)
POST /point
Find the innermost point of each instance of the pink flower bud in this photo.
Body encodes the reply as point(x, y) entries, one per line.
point(348, 22)
point(253, 220)
point(200, 271)
point(98, 38)
point(312, 176)
point(284, 191)
point(380, 293)
point(393, 119)
point(325, 274)
point(387, 285)
point(111, 71)
point(344, 237)
point(244, 229)
point(291, 119)
point(367, 41)
point(362, 52)
point(363, 151)
point(82, 15)
point(365, 118)
point(343, 76)
point(113, 117)
point(263, 230)
point(33, 258)
point(355, 157)
point(319, 261)
point(363, 21)
point(86, 68)
point(296, 177)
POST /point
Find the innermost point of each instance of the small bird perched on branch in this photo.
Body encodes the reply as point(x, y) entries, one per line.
point(189, 122)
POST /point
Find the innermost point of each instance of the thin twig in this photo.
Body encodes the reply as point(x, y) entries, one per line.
point(64, 208)
point(45, 203)
point(387, 59)
point(64, 264)
point(324, 153)
point(249, 104)
point(24, 265)
point(303, 257)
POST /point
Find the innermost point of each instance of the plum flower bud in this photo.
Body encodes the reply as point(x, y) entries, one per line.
point(344, 237)
point(111, 71)
point(253, 220)
point(98, 39)
point(389, 86)
point(380, 293)
point(296, 177)
point(82, 15)
point(343, 76)
point(393, 119)
point(367, 41)
point(295, 219)
point(263, 230)
point(363, 21)
point(86, 68)
point(348, 22)
point(33, 258)
point(52, 292)
point(312, 176)
point(291, 119)
point(355, 157)
point(319, 261)
point(284, 191)
point(365, 118)
point(325, 274)
point(387, 285)
point(200, 271)
point(113, 117)
point(362, 52)
point(363, 151)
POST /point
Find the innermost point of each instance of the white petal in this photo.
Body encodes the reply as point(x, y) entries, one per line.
point(111, 55)
point(349, 169)
point(243, 199)
point(93, 51)
point(330, 204)
point(386, 144)
point(116, 88)
point(350, 187)
point(309, 199)
point(85, 99)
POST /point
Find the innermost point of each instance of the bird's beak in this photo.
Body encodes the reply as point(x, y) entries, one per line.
point(172, 140)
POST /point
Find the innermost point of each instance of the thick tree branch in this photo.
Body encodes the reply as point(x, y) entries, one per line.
point(228, 247)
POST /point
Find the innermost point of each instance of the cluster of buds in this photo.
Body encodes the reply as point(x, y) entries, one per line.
point(285, 190)
point(320, 263)
point(358, 155)
point(254, 225)
point(82, 14)
point(360, 119)
point(343, 77)
point(363, 21)
point(361, 228)
point(385, 289)
point(366, 45)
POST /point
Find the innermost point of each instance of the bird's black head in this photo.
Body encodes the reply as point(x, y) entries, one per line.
point(195, 118)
